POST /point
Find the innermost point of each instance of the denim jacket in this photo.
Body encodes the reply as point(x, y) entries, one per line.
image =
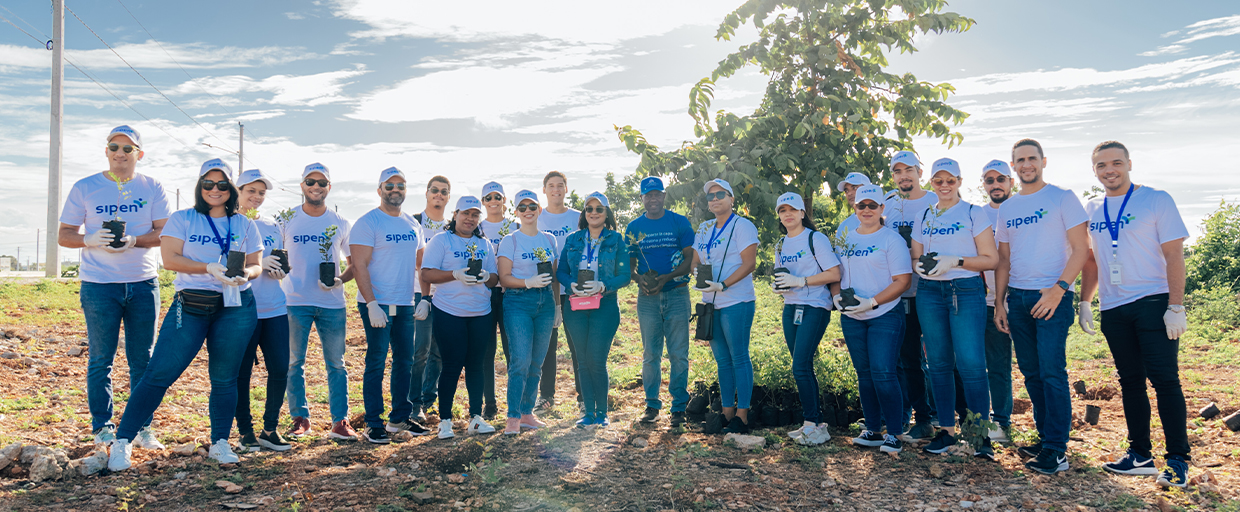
point(613, 260)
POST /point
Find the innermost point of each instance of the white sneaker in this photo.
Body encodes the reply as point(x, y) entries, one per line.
point(477, 425)
point(445, 430)
point(814, 435)
point(796, 434)
point(999, 436)
point(222, 453)
point(146, 440)
point(118, 460)
point(105, 435)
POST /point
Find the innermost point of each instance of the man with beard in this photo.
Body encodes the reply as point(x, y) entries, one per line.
point(382, 244)
point(424, 387)
point(311, 303)
point(997, 182)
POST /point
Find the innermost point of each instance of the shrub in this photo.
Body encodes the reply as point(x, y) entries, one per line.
point(1214, 260)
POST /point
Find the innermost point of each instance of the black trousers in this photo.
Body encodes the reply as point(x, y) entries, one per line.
point(272, 335)
point(909, 372)
point(1137, 337)
point(462, 346)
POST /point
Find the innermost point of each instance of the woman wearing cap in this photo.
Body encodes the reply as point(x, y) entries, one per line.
point(461, 317)
point(876, 270)
point(495, 227)
point(210, 306)
point(594, 315)
point(805, 265)
point(952, 244)
point(530, 308)
point(729, 244)
point(271, 333)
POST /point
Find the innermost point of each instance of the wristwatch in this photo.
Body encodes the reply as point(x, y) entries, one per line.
point(1067, 287)
point(960, 261)
point(1175, 308)
point(725, 285)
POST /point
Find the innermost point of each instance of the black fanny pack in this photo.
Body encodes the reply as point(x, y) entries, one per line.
point(201, 302)
point(704, 314)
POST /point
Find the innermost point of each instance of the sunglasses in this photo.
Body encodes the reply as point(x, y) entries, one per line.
point(595, 209)
point(389, 186)
point(940, 181)
point(527, 207)
point(711, 196)
point(222, 186)
point(996, 179)
point(492, 197)
point(870, 205)
point(438, 191)
point(311, 181)
point(128, 148)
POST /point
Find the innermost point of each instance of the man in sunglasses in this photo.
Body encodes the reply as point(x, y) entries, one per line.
point(118, 275)
point(424, 387)
point(312, 303)
point(997, 182)
point(560, 220)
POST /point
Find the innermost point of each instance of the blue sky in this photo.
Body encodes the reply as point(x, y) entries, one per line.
point(511, 90)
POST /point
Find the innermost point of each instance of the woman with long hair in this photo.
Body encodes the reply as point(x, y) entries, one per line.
point(495, 227)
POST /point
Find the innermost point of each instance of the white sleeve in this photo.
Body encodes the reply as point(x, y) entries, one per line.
point(432, 255)
point(74, 213)
point(1169, 224)
point(1073, 213)
point(254, 240)
point(364, 234)
point(897, 255)
point(823, 252)
point(160, 209)
point(176, 226)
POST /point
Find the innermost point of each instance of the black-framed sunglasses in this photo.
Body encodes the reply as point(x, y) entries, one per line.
point(492, 197)
point(996, 179)
point(439, 191)
point(869, 205)
point(128, 148)
point(389, 186)
point(594, 209)
point(310, 182)
point(527, 207)
point(711, 196)
point(222, 186)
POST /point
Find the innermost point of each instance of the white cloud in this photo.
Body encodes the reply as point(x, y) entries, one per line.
point(1075, 78)
point(296, 90)
point(149, 55)
point(1205, 29)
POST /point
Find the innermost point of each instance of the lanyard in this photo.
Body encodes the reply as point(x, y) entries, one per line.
point(714, 235)
point(590, 245)
point(227, 241)
point(1114, 228)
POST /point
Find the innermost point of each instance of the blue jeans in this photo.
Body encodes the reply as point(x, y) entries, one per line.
point(592, 331)
point(664, 320)
point(465, 348)
point(802, 343)
point(731, 350)
point(999, 371)
point(528, 315)
point(953, 325)
point(397, 334)
point(331, 324)
point(1041, 354)
point(424, 375)
point(105, 306)
point(271, 334)
point(874, 346)
point(226, 333)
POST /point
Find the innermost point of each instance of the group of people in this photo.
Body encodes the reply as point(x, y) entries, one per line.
point(435, 288)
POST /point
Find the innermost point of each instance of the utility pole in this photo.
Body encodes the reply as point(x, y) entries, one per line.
point(241, 151)
point(57, 132)
point(178, 199)
point(36, 244)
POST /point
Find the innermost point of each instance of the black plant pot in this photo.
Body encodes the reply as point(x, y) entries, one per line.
point(117, 227)
point(282, 255)
point(927, 261)
point(327, 273)
point(829, 417)
point(714, 423)
point(841, 418)
point(583, 277)
point(696, 410)
point(236, 264)
point(544, 267)
point(475, 268)
point(798, 416)
point(770, 416)
point(906, 232)
point(780, 270)
point(848, 297)
point(650, 278)
point(785, 417)
point(704, 273)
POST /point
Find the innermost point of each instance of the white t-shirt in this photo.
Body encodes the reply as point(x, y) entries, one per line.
point(951, 233)
point(268, 296)
point(430, 228)
point(992, 214)
point(496, 231)
point(94, 200)
point(850, 224)
point(203, 246)
point(870, 263)
point(1035, 227)
point(906, 212)
point(448, 251)
point(394, 243)
point(589, 256)
point(522, 250)
point(738, 235)
point(794, 254)
point(1150, 219)
point(559, 225)
point(303, 234)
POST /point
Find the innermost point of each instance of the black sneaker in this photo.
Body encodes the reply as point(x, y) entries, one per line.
point(1049, 462)
point(869, 438)
point(736, 426)
point(273, 441)
point(409, 426)
point(489, 411)
point(1032, 450)
point(249, 443)
point(377, 435)
point(1174, 474)
point(544, 404)
point(941, 442)
point(986, 452)
point(650, 415)
point(678, 419)
point(891, 444)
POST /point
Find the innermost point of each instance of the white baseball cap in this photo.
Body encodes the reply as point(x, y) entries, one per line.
point(251, 176)
point(316, 167)
point(602, 199)
point(468, 203)
point(384, 176)
point(216, 164)
point(792, 199)
point(721, 183)
point(493, 186)
point(871, 193)
point(998, 166)
point(853, 178)
point(524, 194)
point(905, 157)
point(125, 130)
point(945, 164)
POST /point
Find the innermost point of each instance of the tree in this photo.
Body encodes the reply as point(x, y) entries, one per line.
point(625, 198)
point(830, 106)
point(1214, 261)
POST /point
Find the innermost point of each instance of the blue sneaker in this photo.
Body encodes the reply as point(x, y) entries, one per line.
point(602, 422)
point(1174, 474)
point(585, 422)
point(1132, 464)
point(1049, 462)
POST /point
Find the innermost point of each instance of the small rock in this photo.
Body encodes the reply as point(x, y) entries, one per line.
point(403, 436)
point(9, 453)
point(186, 449)
point(640, 442)
point(667, 486)
point(266, 501)
point(30, 361)
point(830, 482)
point(456, 478)
point(745, 442)
point(966, 504)
point(938, 470)
point(201, 451)
point(709, 490)
point(45, 467)
point(76, 351)
point(92, 464)
point(1164, 505)
point(422, 498)
point(181, 475)
point(228, 487)
point(10, 355)
point(386, 472)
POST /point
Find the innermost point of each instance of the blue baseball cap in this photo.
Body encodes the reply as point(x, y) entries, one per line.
point(468, 203)
point(652, 184)
point(386, 175)
point(523, 195)
point(721, 183)
point(908, 158)
point(493, 186)
point(792, 199)
point(125, 130)
point(251, 176)
point(945, 164)
point(853, 178)
point(602, 199)
point(998, 166)
point(316, 167)
point(216, 164)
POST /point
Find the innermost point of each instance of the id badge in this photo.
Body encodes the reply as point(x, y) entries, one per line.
point(232, 296)
point(906, 306)
point(1115, 274)
point(798, 316)
point(391, 309)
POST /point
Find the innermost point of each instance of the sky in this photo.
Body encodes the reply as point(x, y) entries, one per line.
point(507, 91)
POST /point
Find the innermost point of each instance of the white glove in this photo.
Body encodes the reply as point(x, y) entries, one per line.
point(378, 317)
point(1177, 323)
point(217, 271)
point(594, 287)
point(129, 242)
point(577, 290)
point(559, 317)
point(98, 239)
point(460, 275)
point(272, 265)
point(483, 277)
point(783, 280)
point(944, 264)
point(338, 284)
point(835, 299)
point(538, 281)
point(239, 280)
point(423, 311)
point(712, 286)
point(867, 304)
point(1085, 317)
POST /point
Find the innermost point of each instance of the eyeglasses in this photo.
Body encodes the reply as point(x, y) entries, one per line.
point(492, 197)
point(996, 179)
point(127, 147)
point(389, 186)
point(867, 205)
point(222, 186)
point(311, 181)
point(711, 196)
point(940, 181)
point(527, 207)
point(439, 191)
point(595, 209)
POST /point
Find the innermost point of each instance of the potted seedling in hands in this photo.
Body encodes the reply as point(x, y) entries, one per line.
point(117, 226)
point(544, 261)
point(848, 296)
point(474, 265)
point(327, 268)
point(282, 219)
point(779, 252)
point(927, 261)
point(585, 275)
point(649, 279)
point(905, 230)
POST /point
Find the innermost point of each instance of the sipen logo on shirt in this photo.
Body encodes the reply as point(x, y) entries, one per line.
point(949, 230)
point(564, 231)
point(860, 253)
point(1024, 221)
point(897, 223)
point(208, 238)
point(411, 236)
point(113, 209)
point(1120, 223)
point(481, 254)
point(269, 241)
point(792, 258)
point(716, 244)
point(306, 239)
